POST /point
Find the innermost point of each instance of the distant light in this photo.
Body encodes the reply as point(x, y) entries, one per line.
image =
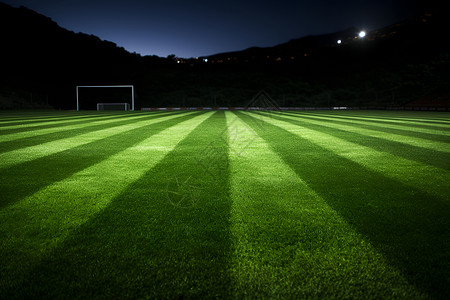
point(205, 60)
point(362, 34)
point(339, 42)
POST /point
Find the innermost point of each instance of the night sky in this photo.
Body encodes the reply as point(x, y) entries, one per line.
point(199, 28)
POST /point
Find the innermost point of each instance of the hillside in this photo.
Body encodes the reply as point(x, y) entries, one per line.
point(391, 66)
point(38, 55)
point(294, 49)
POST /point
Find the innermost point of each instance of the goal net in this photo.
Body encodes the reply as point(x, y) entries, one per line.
point(113, 106)
point(118, 97)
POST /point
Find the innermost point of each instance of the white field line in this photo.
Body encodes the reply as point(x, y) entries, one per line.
point(40, 222)
point(413, 141)
point(368, 121)
point(427, 178)
point(22, 155)
point(86, 123)
point(264, 188)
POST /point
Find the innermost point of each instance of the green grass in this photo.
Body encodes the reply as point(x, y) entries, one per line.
point(320, 204)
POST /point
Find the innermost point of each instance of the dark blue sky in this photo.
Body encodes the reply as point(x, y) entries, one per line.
point(200, 27)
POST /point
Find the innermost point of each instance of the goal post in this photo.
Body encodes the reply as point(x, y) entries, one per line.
point(105, 86)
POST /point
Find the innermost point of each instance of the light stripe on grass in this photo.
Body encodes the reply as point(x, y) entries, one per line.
point(427, 178)
point(414, 141)
point(421, 117)
point(97, 121)
point(18, 156)
point(379, 119)
point(37, 117)
point(144, 245)
point(422, 155)
point(373, 122)
point(288, 243)
point(35, 225)
point(49, 123)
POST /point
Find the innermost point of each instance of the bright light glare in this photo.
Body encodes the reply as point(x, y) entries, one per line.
point(339, 41)
point(362, 34)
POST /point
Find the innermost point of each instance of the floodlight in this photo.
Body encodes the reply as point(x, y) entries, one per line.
point(339, 42)
point(362, 34)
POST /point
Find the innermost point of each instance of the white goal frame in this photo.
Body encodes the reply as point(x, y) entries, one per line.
point(106, 86)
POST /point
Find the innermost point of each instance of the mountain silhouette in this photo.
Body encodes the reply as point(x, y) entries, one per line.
point(390, 66)
point(295, 48)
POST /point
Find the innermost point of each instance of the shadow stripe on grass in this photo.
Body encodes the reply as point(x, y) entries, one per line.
point(11, 158)
point(38, 116)
point(380, 120)
point(412, 131)
point(28, 139)
point(412, 116)
point(288, 243)
point(435, 158)
point(409, 140)
point(142, 245)
point(25, 178)
point(35, 129)
point(33, 227)
point(26, 120)
point(45, 122)
point(408, 226)
point(417, 175)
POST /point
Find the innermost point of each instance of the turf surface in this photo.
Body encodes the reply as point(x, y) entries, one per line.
point(329, 204)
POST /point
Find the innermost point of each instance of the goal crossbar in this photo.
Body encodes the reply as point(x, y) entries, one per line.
point(107, 86)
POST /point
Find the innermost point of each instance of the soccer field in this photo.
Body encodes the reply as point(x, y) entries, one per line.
point(225, 204)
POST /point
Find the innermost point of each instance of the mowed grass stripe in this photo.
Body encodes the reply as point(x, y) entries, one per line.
point(380, 118)
point(24, 179)
point(413, 173)
point(144, 245)
point(288, 243)
point(32, 114)
point(22, 155)
point(425, 156)
point(422, 117)
point(48, 124)
point(409, 140)
point(411, 130)
point(407, 225)
point(34, 226)
point(32, 138)
point(25, 122)
point(58, 129)
point(37, 117)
